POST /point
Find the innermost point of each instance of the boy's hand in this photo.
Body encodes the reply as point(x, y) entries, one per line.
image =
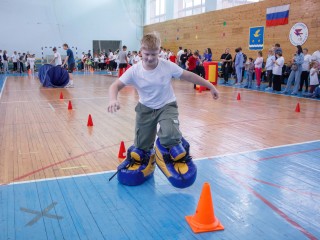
point(113, 106)
point(214, 92)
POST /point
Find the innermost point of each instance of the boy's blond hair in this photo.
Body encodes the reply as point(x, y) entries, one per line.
point(151, 41)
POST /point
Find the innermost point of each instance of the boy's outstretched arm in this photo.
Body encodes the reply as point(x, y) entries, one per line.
point(115, 87)
point(194, 78)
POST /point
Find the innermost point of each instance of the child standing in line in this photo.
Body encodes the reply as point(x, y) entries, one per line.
point(277, 71)
point(249, 67)
point(152, 78)
point(258, 68)
point(31, 60)
point(314, 80)
point(96, 62)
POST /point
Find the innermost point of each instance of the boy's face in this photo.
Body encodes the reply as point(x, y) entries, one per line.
point(150, 56)
point(65, 48)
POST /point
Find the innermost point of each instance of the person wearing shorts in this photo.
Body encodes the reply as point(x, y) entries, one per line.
point(71, 64)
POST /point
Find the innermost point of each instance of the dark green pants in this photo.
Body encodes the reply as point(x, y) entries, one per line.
point(146, 126)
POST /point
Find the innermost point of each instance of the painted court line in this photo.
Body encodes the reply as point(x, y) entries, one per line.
point(4, 84)
point(52, 108)
point(112, 171)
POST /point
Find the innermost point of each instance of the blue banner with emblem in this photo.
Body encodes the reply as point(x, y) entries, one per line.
point(256, 38)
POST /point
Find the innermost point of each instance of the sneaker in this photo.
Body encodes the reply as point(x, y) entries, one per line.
point(177, 164)
point(293, 93)
point(245, 87)
point(69, 85)
point(268, 89)
point(284, 92)
point(138, 167)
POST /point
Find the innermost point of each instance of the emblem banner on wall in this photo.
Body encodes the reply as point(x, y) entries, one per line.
point(298, 34)
point(256, 38)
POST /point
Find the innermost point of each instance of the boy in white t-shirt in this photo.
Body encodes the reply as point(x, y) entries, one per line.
point(157, 105)
point(56, 57)
point(31, 60)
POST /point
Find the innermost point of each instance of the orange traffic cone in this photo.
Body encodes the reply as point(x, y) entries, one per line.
point(90, 123)
point(61, 95)
point(204, 219)
point(238, 97)
point(122, 150)
point(298, 107)
point(70, 106)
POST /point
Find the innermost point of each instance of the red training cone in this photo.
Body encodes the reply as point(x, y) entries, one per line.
point(70, 106)
point(238, 97)
point(298, 107)
point(90, 123)
point(122, 150)
point(204, 219)
point(61, 95)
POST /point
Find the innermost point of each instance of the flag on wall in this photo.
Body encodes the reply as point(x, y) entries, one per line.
point(277, 15)
point(256, 38)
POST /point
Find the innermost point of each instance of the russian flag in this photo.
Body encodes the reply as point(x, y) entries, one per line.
point(277, 15)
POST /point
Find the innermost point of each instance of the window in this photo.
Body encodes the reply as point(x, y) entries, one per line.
point(156, 11)
point(190, 7)
point(221, 4)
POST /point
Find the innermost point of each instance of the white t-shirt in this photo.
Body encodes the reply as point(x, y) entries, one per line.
point(136, 59)
point(306, 62)
point(57, 60)
point(316, 56)
point(101, 59)
point(277, 70)
point(258, 62)
point(14, 58)
point(31, 62)
point(161, 54)
point(110, 56)
point(179, 54)
point(153, 86)
point(314, 77)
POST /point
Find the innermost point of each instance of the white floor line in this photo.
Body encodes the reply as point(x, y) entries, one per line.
point(4, 84)
point(198, 159)
point(52, 108)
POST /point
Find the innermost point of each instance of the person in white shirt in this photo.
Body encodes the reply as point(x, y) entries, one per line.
point(258, 68)
point(269, 67)
point(180, 52)
point(14, 59)
point(56, 57)
point(161, 54)
point(152, 78)
point(316, 56)
point(112, 62)
point(305, 70)
point(277, 71)
point(314, 80)
point(31, 61)
point(102, 62)
point(136, 59)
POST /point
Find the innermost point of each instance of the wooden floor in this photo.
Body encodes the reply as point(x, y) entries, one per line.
point(40, 138)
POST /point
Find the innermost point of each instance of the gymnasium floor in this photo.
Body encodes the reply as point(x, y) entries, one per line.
point(260, 157)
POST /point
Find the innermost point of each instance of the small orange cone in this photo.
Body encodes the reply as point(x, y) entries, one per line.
point(204, 219)
point(61, 95)
point(90, 123)
point(70, 106)
point(122, 150)
point(238, 97)
point(298, 107)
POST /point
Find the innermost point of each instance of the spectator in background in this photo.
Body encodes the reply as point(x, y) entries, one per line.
point(277, 49)
point(269, 66)
point(1, 64)
point(314, 80)
point(189, 53)
point(183, 59)
point(226, 60)
point(296, 70)
point(258, 68)
point(191, 63)
point(31, 62)
point(101, 61)
point(238, 65)
point(208, 55)
point(180, 52)
point(278, 63)
point(89, 54)
point(14, 59)
point(173, 58)
point(305, 69)
point(82, 62)
point(123, 60)
point(71, 64)
point(5, 62)
point(249, 67)
point(136, 58)
point(21, 62)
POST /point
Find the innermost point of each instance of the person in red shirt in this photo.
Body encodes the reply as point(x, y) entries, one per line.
point(192, 64)
point(173, 58)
